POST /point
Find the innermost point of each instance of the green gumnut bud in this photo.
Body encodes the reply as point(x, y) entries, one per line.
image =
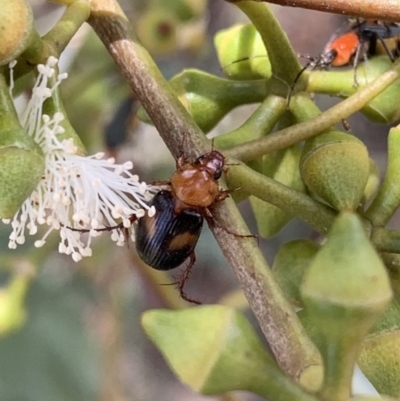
point(271, 219)
point(380, 353)
point(184, 10)
point(213, 349)
point(241, 53)
point(22, 161)
point(16, 26)
point(207, 343)
point(209, 98)
point(22, 166)
point(346, 275)
point(290, 264)
point(345, 290)
point(168, 26)
point(335, 166)
point(157, 30)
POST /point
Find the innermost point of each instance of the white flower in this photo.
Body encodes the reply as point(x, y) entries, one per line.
point(76, 193)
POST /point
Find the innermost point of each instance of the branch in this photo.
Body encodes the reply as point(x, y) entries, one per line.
point(279, 323)
point(387, 10)
point(146, 81)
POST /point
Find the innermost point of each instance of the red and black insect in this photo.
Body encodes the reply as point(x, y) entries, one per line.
point(360, 38)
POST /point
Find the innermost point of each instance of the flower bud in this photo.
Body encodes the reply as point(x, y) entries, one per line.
point(347, 274)
point(184, 10)
point(335, 166)
point(290, 264)
point(379, 356)
point(241, 53)
point(22, 167)
point(345, 290)
point(16, 25)
point(157, 30)
point(213, 349)
point(169, 26)
point(22, 161)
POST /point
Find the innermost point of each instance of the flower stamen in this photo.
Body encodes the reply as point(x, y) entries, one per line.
point(77, 192)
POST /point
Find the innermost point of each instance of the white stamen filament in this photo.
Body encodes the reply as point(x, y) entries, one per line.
point(77, 192)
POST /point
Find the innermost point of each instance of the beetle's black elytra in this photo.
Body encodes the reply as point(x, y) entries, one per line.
point(166, 240)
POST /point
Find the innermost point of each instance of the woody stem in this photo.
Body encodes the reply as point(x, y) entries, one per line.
point(292, 348)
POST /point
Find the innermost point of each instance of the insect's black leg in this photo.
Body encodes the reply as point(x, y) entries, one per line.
point(387, 50)
point(183, 278)
point(213, 223)
point(292, 87)
point(356, 61)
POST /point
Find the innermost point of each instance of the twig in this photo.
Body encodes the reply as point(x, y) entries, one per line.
point(276, 317)
point(388, 10)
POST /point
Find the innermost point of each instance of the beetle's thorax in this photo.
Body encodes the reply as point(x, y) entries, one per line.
point(194, 186)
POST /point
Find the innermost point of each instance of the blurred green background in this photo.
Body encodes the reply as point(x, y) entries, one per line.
point(71, 331)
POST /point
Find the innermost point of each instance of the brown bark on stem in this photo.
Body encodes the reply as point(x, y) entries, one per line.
point(388, 10)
